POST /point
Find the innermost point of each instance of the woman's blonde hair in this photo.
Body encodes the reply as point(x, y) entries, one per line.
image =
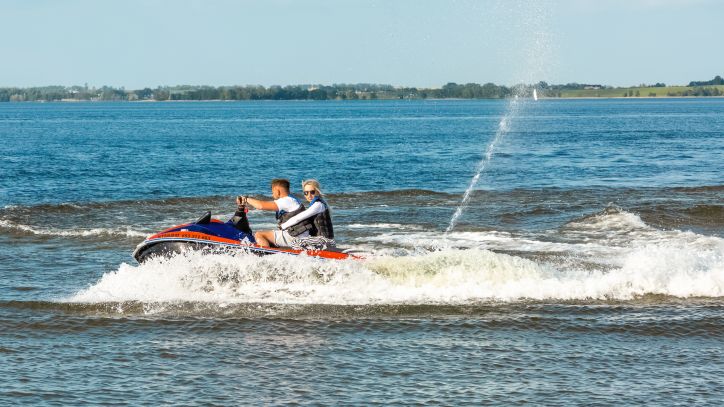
point(315, 184)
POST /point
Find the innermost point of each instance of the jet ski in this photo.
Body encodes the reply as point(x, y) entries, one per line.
point(215, 236)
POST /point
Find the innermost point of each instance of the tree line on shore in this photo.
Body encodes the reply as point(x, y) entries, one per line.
point(254, 92)
point(716, 81)
point(313, 92)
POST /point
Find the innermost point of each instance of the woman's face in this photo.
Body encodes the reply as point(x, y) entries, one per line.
point(309, 192)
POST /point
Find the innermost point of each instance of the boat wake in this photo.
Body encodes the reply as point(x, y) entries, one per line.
point(610, 256)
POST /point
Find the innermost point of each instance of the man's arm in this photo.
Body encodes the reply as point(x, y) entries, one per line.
point(263, 205)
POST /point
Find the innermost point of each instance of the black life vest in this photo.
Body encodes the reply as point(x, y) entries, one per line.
point(323, 221)
point(318, 225)
point(283, 216)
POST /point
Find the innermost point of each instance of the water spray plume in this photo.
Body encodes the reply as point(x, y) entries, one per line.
point(503, 129)
point(532, 21)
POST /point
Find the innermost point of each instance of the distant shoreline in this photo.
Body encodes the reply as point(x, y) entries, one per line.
point(359, 91)
point(71, 101)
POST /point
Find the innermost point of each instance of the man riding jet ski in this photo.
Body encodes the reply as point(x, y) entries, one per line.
point(312, 235)
point(297, 225)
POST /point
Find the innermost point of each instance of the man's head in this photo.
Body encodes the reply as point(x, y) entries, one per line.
point(279, 187)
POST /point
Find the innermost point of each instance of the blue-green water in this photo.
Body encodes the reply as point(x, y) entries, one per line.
point(587, 269)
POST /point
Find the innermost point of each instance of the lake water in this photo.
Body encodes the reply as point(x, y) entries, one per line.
point(587, 269)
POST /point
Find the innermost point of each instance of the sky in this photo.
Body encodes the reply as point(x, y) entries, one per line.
point(149, 43)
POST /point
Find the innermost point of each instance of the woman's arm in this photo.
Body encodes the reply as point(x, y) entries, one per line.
point(313, 210)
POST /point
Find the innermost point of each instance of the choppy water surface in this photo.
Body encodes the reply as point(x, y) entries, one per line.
point(588, 267)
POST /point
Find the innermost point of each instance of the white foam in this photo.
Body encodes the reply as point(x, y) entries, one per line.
point(233, 278)
point(491, 240)
point(671, 269)
point(603, 239)
point(449, 276)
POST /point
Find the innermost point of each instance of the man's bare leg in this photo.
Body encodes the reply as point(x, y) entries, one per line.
point(264, 238)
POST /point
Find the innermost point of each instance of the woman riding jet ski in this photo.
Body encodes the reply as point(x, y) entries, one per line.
point(299, 227)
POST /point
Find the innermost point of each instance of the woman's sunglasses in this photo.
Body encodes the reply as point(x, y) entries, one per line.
point(310, 193)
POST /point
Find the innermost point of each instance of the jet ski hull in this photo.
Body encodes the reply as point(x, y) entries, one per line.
point(165, 249)
point(168, 248)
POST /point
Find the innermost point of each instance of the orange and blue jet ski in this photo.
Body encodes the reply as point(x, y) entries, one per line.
point(213, 235)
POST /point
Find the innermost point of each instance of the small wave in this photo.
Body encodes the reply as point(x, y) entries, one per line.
point(700, 215)
point(621, 232)
point(651, 315)
point(696, 208)
point(538, 194)
point(540, 247)
point(383, 226)
point(610, 218)
point(15, 227)
point(75, 207)
point(199, 201)
point(713, 212)
point(391, 193)
point(703, 188)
